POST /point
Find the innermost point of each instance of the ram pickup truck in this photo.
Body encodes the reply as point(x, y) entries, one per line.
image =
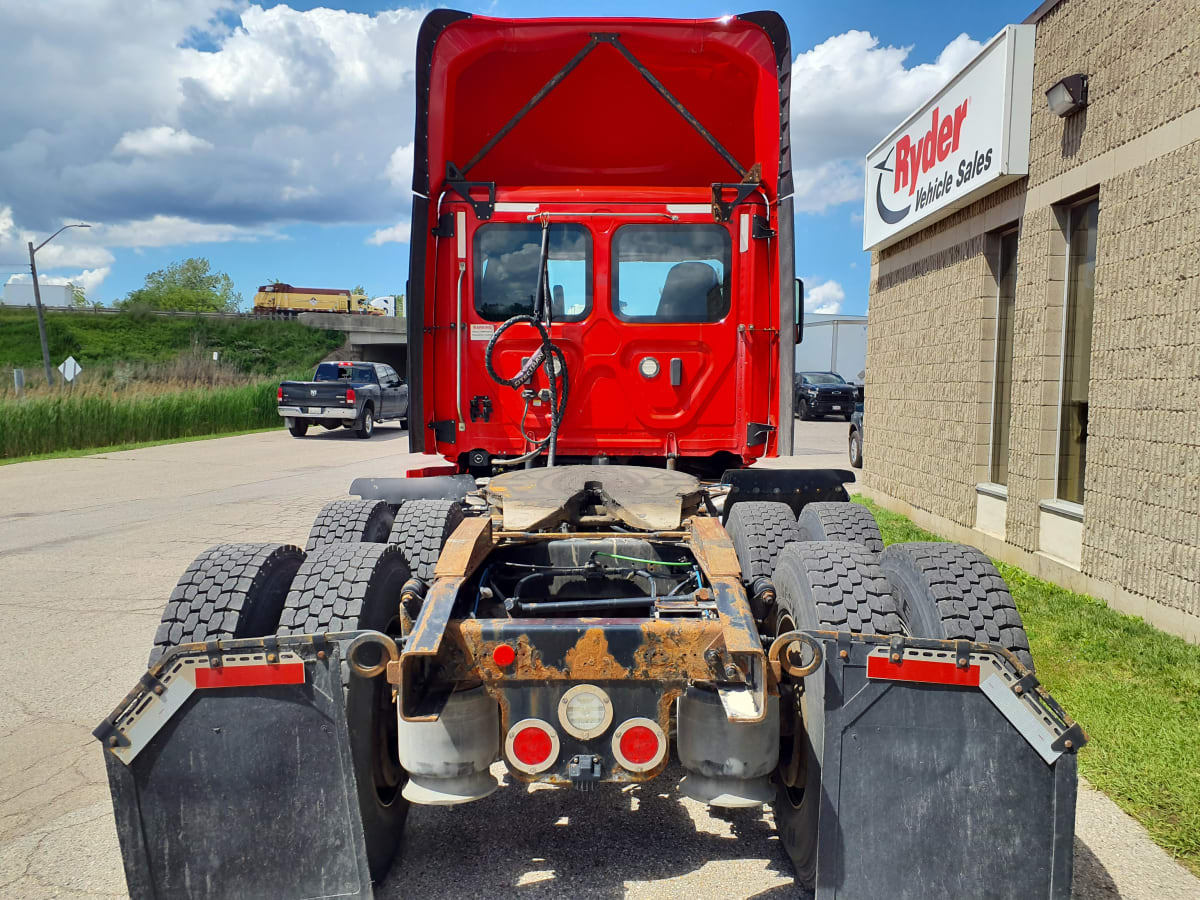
point(352, 395)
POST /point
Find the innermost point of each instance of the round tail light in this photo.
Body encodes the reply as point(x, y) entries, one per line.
point(639, 745)
point(532, 746)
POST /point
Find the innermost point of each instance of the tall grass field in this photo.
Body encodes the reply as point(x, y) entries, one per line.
point(49, 422)
point(146, 378)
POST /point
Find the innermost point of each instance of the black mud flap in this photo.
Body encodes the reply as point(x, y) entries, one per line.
point(947, 773)
point(235, 779)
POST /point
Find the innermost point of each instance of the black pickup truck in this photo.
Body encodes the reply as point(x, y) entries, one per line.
point(352, 395)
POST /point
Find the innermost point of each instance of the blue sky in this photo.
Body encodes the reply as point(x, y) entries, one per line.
point(273, 141)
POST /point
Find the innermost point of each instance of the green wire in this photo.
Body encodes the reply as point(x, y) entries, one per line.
point(649, 562)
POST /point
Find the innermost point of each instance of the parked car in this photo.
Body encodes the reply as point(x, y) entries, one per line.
point(345, 394)
point(820, 394)
point(856, 436)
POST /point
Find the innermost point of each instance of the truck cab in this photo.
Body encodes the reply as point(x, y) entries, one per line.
point(668, 243)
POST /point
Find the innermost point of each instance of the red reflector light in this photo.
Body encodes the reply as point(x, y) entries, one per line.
point(279, 393)
point(430, 471)
point(504, 655)
point(250, 676)
point(350, 395)
point(532, 745)
point(639, 745)
point(925, 671)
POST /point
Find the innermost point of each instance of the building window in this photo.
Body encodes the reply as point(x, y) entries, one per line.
point(1077, 349)
point(1006, 292)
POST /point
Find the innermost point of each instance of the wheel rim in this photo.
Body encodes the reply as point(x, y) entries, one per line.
point(368, 422)
point(853, 451)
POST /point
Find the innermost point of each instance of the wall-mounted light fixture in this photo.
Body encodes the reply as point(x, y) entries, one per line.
point(1068, 95)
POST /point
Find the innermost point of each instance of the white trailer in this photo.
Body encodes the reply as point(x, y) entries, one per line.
point(834, 343)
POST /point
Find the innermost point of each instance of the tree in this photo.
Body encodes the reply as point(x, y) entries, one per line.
point(187, 285)
point(78, 298)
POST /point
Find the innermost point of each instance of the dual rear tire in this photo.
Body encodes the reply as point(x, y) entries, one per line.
point(831, 572)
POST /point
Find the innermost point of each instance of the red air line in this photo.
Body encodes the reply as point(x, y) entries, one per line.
point(250, 676)
point(926, 671)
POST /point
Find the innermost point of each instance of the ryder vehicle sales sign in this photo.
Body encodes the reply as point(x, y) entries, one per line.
point(969, 140)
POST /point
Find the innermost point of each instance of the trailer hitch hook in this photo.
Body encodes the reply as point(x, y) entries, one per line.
point(388, 653)
point(781, 650)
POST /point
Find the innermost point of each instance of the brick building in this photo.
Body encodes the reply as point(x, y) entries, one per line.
point(1033, 364)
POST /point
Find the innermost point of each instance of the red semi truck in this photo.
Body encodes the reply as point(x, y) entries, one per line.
point(598, 581)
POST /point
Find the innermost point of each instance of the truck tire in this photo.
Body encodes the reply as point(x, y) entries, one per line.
point(352, 587)
point(953, 591)
point(229, 591)
point(299, 427)
point(365, 426)
point(802, 409)
point(856, 448)
point(351, 520)
point(840, 522)
point(759, 530)
point(421, 529)
point(834, 586)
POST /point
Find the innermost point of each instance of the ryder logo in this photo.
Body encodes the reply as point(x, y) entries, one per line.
point(915, 160)
point(939, 142)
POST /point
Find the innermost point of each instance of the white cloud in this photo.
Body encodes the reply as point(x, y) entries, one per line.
point(399, 167)
point(161, 140)
point(825, 297)
point(397, 234)
point(261, 117)
point(171, 231)
point(848, 92)
point(89, 279)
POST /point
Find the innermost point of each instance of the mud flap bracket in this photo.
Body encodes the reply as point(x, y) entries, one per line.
point(962, 764)
point(261, 742)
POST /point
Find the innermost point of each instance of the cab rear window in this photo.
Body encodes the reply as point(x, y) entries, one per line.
point(336, 372)
point(506, 270)
point(671, 273)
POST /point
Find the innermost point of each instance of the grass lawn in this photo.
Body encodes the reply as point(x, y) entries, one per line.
point(1134, 689)
point(117, 448)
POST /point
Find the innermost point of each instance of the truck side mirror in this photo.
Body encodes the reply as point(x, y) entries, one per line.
point(799, 311)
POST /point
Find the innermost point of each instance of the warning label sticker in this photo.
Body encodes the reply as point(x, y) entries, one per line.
point(482, 332)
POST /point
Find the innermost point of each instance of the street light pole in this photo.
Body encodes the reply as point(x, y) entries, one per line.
point(41, 318)
point(37, 299)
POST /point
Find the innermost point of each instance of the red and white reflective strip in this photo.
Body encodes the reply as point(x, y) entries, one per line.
point(989, 673)
point(187, 674)
point(532, 746)
point(249, 675)
point(925, 671)
point(639, 744)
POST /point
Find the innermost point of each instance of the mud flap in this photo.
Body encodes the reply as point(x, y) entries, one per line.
point(231, 775)
point(946, 772)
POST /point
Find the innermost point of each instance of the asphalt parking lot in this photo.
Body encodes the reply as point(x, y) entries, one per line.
point(91, 547)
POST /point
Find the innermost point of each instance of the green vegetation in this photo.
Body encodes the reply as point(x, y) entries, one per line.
point(1135, 690)
point(185, 285)
point(63, 421)
point(136, 445)
point(147, 377)
point(258, 347)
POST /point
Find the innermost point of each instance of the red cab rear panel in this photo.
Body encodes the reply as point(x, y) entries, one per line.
point(615, 133)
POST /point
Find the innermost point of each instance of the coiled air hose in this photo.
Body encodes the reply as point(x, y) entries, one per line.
point(548, 355)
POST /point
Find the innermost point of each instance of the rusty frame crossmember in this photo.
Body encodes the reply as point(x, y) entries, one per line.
point(442, 653)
